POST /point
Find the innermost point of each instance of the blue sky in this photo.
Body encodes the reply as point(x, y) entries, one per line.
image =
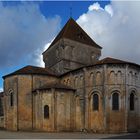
point(62, 8)
point(27, 28)
point(48, 9)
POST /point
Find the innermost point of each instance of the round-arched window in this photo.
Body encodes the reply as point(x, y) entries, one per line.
point(131, 103)
point(95, 102)
point(115, 101)
point(46, 111)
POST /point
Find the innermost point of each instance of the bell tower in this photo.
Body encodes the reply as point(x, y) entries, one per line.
point(71, 49)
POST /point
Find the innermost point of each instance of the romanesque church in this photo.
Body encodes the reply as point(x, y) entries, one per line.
point(76, 91)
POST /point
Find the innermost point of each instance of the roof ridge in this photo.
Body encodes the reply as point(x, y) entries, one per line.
point(30, 66)
point(56, 85)
point(73, 31)
point(34, 66)
point(67, 25)
point(33, 70)
point(112, 58)
point(102, 62)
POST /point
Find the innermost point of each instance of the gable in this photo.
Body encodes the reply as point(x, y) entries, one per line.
point(73, 31)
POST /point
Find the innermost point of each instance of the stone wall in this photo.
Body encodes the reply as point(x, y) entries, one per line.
point(104, 80)
point(76, 81)
point(68, 55)
point(61, 110)
point(10, 112)
point(76, 108)
point(1, 122)
point(25, 84)
point(19, 116)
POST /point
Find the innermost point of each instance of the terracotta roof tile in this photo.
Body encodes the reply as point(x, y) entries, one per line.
point(32, 70)
point(109, 60)
point(73, 31)
point(56, 86)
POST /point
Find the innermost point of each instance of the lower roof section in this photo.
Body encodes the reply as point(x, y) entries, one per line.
point(33, 70)
point(55, 86)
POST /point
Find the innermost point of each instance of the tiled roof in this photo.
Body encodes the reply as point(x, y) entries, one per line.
point(56, 86)
point(32, 70)
point(73, 31)
point(109, 60)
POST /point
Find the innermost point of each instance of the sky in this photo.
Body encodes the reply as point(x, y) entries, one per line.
point(27, 29)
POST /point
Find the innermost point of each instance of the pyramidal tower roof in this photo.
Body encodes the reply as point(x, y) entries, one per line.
point(73, 31)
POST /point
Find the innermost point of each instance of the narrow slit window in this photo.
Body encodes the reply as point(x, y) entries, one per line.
point(95, 102)
point(11, 99)
point(115, 101)
point(132, 106)
point(46, 111)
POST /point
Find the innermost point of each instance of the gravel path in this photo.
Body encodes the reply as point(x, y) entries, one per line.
point(67, 135)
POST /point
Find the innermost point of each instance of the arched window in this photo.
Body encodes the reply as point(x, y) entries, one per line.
point(11, 99)
point(46, 111)
point(76, 81)
point(98, 78)
point(81, 81)
point(112, 78)
point(119, 77)
point(132, 106)
point(130, 78)
point(91, 79)
point(115, 101)
point(95, 102)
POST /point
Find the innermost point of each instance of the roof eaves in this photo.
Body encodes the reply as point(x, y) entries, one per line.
point(30, 72)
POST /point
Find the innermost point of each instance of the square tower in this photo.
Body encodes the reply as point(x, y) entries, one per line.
point(71, 49)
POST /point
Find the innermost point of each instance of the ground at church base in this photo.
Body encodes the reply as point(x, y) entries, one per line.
point(66, 135)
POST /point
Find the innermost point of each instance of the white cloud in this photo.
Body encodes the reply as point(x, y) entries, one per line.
point(1, 89)
point(108, 8)
point(116, 28)
point(95, 6)
point(39, 60)
point(24, 31)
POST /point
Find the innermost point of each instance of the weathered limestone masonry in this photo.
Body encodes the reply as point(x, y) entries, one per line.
point(61, 111)
point(75, 91)
point(68, 50)
point(104, 80)
point(10, 113)
point(1, 110)
point(70, 55)
point(19, 115)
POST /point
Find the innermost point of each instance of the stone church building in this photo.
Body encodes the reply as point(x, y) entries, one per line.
point(75, 91)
